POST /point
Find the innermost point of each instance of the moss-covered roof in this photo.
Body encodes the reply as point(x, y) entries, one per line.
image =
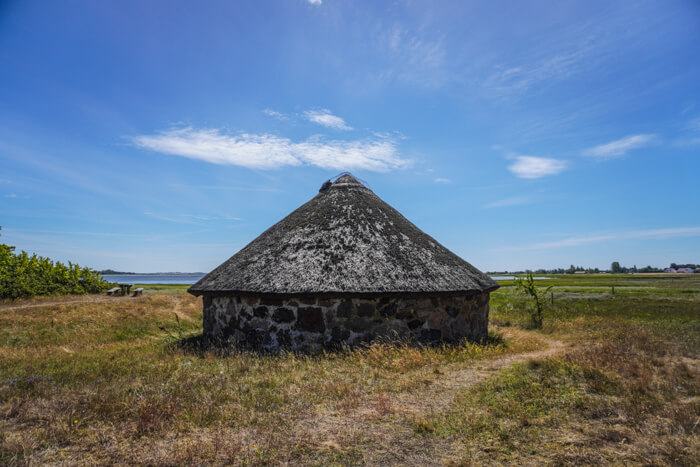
point(344, 241)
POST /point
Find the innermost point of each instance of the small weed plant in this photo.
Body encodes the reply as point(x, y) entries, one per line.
point(526, 285)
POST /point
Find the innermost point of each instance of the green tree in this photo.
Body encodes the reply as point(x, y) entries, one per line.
point(22, 275)
point(615, 267)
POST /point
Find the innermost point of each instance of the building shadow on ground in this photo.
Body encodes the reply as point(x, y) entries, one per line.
point(200, 346)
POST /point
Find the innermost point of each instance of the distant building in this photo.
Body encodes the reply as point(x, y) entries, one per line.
point(685, 270)
point(579, 272)
point(669, 270)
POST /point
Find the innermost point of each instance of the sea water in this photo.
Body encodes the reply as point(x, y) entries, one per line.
point(158, 278)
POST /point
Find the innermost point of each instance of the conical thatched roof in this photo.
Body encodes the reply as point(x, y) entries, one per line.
point(345, 241)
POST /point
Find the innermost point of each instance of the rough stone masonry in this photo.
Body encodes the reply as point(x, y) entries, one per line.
point(310, 323)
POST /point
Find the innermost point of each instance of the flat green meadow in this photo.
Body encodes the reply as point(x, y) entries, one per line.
point(613, 377)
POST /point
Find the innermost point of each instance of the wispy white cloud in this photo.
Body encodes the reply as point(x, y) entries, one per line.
point(536, 167)
point(189, 218)
point(395, 134)
point(511, 201)
point(578, 49)
point(507, 81)
point(691, 134)
point(61, 233)
point(442, 180)
point(417, 56)
point(684, 143)
point(176, 219)
point(267, 151)
point(598, 238)
point(210, 145)
point(619, 147)
point(211, 218)
point(234, 187)
point(694, 125)
point(275, 114)
point(315, 2)
point(325, 118)
point(11, 195)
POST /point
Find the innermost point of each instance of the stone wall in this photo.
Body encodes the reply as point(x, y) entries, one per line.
point(272, 323)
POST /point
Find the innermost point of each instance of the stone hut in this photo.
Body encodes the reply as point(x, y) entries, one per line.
point(344, 268)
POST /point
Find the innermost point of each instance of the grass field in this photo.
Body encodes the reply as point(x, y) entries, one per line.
point(612, 378)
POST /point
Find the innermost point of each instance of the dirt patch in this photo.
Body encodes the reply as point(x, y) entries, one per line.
point(382, 421)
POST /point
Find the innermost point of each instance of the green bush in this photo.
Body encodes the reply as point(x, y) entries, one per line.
point(22, 275)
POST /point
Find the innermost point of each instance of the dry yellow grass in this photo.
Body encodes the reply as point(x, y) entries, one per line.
point(124, 381)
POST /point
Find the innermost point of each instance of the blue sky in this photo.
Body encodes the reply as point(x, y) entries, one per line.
point(164, 136)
